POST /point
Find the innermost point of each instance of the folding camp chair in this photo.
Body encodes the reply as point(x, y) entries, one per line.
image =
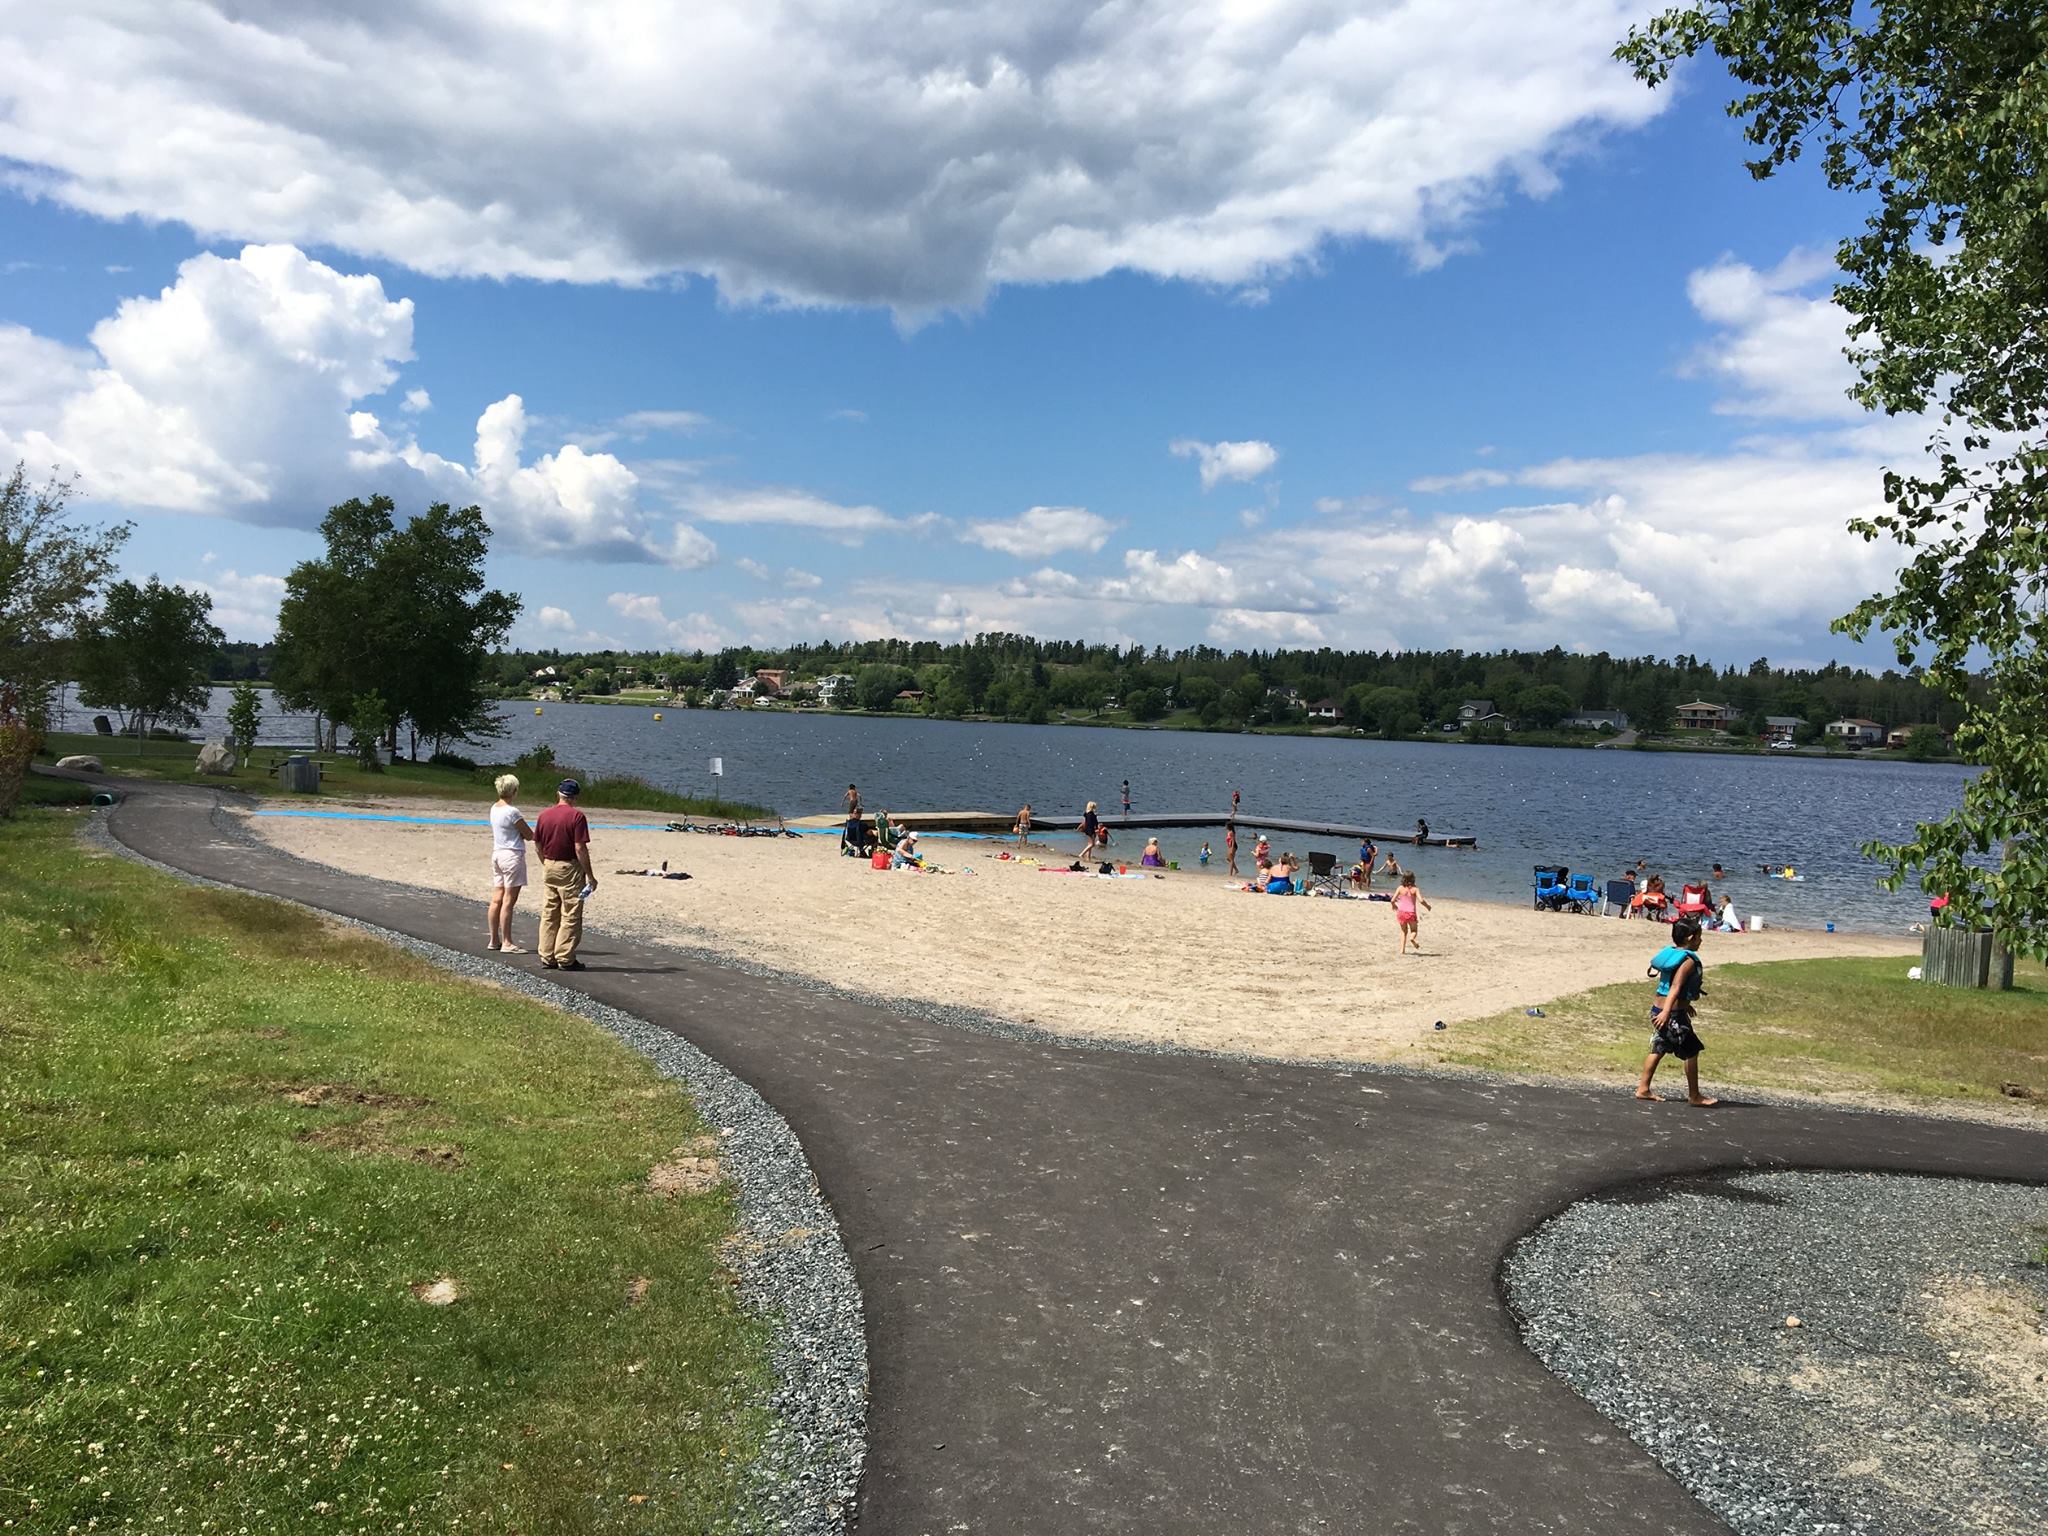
point(1582, 893)
point(1620, 898)
point(855, 840)
point(887, 836)
point(1550, 887)
point(1692, 901)
point(1322, 876)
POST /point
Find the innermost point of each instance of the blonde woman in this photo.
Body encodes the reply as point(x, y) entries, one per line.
point(509, 836)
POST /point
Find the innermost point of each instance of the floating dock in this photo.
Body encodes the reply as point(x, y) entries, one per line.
point(994, 824)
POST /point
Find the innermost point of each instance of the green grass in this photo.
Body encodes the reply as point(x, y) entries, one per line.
point(1851, 1025)
point(207, 1319)
point(174, 760)
point(37, 790)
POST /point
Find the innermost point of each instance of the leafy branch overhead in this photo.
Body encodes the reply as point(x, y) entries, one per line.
point(1933, 114)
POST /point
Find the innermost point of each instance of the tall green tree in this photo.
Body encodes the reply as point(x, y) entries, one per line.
point(1932, 115)
point(146, 655)
point(51, 573)
point(401, 612)
point(245, 719)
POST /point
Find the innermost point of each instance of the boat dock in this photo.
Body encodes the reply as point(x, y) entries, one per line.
point(995, 824)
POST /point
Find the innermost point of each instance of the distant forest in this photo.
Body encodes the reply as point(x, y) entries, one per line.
point(1391, 693)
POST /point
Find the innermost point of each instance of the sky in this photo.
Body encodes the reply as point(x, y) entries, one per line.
point(1250, 323)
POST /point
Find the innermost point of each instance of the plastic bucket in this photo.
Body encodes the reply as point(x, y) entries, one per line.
point(1756, 923)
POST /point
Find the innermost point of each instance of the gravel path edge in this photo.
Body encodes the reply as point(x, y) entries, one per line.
point(791, 1265)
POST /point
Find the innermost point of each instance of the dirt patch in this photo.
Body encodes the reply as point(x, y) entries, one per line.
point(378, 1136)
point(637, 1289)
point(691, 1169)
point(1999, 1333)
point(312, 1095)
point(437, 1293)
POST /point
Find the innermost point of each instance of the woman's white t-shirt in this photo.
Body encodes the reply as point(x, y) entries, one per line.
point(505, 827)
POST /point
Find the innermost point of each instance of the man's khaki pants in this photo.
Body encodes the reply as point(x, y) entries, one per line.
point(561, 910)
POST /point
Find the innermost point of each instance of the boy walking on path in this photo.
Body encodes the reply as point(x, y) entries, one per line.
point(1680, 980)
point(562, 838)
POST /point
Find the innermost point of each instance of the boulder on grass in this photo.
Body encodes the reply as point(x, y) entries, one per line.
point(216, 757)
point(82, 762)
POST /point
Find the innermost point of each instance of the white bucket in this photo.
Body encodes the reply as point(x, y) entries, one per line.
point(1756, 922)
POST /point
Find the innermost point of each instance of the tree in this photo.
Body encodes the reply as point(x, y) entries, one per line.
point(1146, 704)
point(402, 612)
point(51, 572)
point(1651, 702)
point(877, 685)
point(1935, 115)
point(369, 717)
point(1925, 742)
point(146, 655)
point(1543, 706)
point(1392, 712)
point(245, 717)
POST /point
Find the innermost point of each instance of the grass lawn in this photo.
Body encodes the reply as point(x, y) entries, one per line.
point(1855, 1026)
point(174, 760)
point(235, 1139)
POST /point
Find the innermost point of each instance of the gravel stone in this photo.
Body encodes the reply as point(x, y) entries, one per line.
point(1908, 1400)
point(791, 1265)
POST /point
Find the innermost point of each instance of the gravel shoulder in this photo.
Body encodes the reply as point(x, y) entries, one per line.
point(788, 1257)
point(1811, 1352)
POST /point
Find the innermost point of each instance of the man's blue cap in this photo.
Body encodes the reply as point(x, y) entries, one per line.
point(569, 787)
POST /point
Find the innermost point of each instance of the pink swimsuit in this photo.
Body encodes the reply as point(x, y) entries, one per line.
point(1404, 905)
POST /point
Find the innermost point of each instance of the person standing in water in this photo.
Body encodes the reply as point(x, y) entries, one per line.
point(1127, 799)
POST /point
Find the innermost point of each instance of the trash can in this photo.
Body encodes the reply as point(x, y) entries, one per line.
point(300, 775)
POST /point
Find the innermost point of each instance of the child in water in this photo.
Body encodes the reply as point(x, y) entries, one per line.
point(1408, 896)
point(1680, 980)
point(1203, 856)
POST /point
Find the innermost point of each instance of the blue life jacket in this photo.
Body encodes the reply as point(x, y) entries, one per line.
point(1664, 966)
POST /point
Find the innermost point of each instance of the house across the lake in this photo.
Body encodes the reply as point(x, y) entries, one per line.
point(1326, 709)
point(1476, 709)
point(1595, 719)
point(1855, 731)
point(1699, 715)
point(1781, 727)
point(1896, 736)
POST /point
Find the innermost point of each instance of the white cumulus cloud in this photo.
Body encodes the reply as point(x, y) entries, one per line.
point(1041, 531)
point(1227, 461)
point(883, 153)
point(236, 391)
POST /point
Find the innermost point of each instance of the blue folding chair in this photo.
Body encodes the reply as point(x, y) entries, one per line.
point(1582, 893)
point(1550, 889)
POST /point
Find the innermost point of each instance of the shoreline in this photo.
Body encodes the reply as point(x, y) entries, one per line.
point(1184, 961)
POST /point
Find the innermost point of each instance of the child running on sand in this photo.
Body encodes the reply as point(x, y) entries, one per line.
point(1680, 980)
point(1408, 896)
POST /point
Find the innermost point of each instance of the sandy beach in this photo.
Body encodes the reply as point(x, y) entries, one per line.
point(1184, 959)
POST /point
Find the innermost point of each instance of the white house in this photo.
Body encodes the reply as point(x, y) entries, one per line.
point(1594, 719)
point(836, 691)
point(1855, 731)
point(1326, 709)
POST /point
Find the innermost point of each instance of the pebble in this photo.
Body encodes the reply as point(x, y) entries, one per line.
point(1850, 1415)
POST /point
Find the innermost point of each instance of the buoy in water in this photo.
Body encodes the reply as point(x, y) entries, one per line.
point(657, 714)
point(536, 709)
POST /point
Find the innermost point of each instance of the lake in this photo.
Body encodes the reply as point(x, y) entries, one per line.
point(1593, 811)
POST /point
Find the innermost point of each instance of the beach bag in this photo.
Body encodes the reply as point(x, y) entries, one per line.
point(879, 860)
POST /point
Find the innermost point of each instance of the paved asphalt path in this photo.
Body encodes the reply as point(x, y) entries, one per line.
point(1119, 1292)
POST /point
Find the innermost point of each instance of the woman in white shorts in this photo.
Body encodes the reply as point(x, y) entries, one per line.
point(509, 836)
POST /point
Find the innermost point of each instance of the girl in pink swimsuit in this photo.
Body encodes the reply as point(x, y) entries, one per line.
point(1407, 896)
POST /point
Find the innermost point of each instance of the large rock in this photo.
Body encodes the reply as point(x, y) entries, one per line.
point(82, 762)
point(216, 758)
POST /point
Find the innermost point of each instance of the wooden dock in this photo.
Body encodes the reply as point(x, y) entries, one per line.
point(995, 824)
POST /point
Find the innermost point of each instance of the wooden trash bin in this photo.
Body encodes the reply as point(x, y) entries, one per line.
point(300, 775)
point(1956, 957)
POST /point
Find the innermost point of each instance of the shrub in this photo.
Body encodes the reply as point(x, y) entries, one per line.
point(446, 759)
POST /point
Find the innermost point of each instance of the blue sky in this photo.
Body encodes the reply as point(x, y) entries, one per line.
point(1485, 347)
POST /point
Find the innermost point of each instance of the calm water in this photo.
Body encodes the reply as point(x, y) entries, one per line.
point(1593, 811)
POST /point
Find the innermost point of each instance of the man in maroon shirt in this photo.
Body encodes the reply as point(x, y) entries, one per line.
point(562, 838)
